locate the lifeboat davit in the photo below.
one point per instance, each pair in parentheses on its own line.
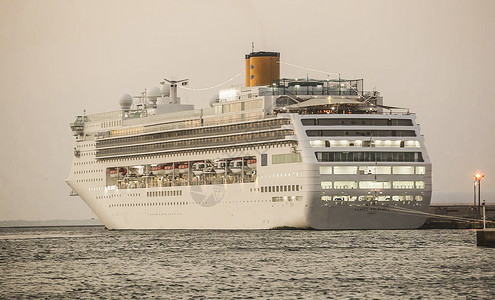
(198,167)
(220,166)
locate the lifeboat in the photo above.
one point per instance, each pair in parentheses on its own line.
(220,166)
(183,167)
(168,169)
(251,163)
(116,172)
(158,170)
(236,165)
(198,167)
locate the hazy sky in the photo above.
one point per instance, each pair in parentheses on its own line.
(60,57)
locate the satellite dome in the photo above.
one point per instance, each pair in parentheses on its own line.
(125,101)
(165,90)
(153,93)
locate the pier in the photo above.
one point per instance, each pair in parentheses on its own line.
(458,211)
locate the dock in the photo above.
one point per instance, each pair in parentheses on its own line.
(458,211)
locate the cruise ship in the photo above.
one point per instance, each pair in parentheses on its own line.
(272,153)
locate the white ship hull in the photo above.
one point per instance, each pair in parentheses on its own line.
(288,153)
(246,205)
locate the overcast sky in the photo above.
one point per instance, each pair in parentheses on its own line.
(60,57)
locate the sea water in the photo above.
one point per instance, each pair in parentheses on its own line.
(91,262)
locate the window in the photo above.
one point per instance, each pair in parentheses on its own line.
(345,185)
(357,121)
(402,197)
(403,184)
(326,185)
(264,160)
(325,170)
(286,158)
(420,170)
(375,185)
(403,170)
(345,170)
(420,184)
(369,133)
(369,156)
(317,143)
(375,170)
(412,144)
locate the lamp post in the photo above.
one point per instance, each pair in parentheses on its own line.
(477,182)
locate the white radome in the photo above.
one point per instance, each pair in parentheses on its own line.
(125,101)
(165,90)
(153,93)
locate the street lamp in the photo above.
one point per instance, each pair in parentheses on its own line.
(477,182)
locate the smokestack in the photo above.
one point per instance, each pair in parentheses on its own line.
(262,68)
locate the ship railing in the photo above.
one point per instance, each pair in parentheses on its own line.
(191,144)
(210,132)
(190,124)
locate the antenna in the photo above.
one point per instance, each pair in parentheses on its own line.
(173,88)
(252,46)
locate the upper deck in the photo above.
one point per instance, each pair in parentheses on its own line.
(151,113)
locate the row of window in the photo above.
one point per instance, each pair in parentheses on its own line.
(280,188)
(90,180)
(87,153)
(84,163)
(114,123)
(274,199)
(370,133)
(181,153)
(202,142)
(369,156)
(360,143)
(148,204)
(88,171)
(80,146)
(348,185)
(164,193)
(286,158)
(369,170)
(372,198)
(119,195)
(232,118)
(287,198)
(263,125)
(356,121)
(239,106)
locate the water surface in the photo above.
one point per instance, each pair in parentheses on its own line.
(89,262)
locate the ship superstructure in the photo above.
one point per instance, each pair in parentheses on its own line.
(274,153)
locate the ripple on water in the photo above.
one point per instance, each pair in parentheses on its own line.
(92,262)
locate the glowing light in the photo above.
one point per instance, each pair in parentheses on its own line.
(478,176)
